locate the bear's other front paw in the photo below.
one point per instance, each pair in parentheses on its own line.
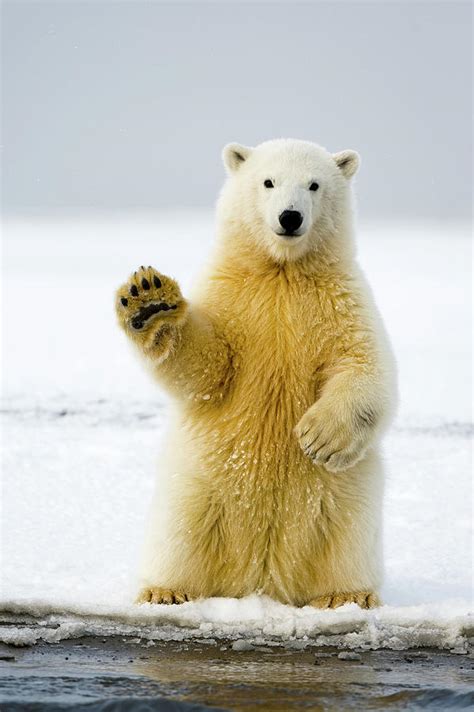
(157,594)
(333,441)
(149,299)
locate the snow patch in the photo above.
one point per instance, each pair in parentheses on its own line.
(82,423)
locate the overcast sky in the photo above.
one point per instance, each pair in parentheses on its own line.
(112,106)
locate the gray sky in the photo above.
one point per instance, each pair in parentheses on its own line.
(109,106)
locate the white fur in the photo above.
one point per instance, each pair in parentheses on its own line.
(292,166)
(249,234)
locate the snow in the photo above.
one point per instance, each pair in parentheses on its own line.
(82,424)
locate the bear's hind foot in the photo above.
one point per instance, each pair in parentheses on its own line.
(364,599)
(156,594)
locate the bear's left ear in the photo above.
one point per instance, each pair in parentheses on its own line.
(234,155)
(348,162)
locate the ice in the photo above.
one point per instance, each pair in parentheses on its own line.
(82,424)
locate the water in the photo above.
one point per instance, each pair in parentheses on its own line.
(113,674)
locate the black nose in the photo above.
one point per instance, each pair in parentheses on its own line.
(290,220)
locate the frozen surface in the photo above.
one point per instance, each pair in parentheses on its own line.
(82,425)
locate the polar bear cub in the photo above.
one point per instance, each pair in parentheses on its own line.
(283,384)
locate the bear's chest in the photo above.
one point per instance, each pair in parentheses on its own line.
(278,343)
(281,333)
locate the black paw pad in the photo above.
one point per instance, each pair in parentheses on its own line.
(124,301)
(134,290)
(150,310)
(156,281)
(145,283)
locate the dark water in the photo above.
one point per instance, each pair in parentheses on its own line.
(432,700)
(115,674)
(126,704)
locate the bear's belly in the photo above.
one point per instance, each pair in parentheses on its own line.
(251,511)
(256,508)
(264,524)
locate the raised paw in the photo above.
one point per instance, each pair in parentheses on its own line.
(335,442)
(364,599)
(149,298)
(156,594)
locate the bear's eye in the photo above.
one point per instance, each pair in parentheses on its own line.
(268,183)
(314,186)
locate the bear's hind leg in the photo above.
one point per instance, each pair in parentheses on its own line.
(156,594)
(364,599)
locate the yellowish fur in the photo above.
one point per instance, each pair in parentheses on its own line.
(282,381)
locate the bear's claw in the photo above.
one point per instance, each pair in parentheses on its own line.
(156,594)
(333,443)
(364,599)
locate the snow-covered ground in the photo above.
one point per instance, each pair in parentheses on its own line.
(82,424)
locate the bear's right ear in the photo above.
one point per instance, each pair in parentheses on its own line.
(234,155)
(348,162)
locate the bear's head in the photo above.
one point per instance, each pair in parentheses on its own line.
(287,195)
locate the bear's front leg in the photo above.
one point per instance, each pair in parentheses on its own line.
(149,308)
(337,430)
(181,343)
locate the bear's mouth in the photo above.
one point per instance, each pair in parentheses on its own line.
(289,235)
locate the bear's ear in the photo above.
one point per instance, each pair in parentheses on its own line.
(348,162)
(234,155)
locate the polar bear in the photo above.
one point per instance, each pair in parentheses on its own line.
(283,383)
